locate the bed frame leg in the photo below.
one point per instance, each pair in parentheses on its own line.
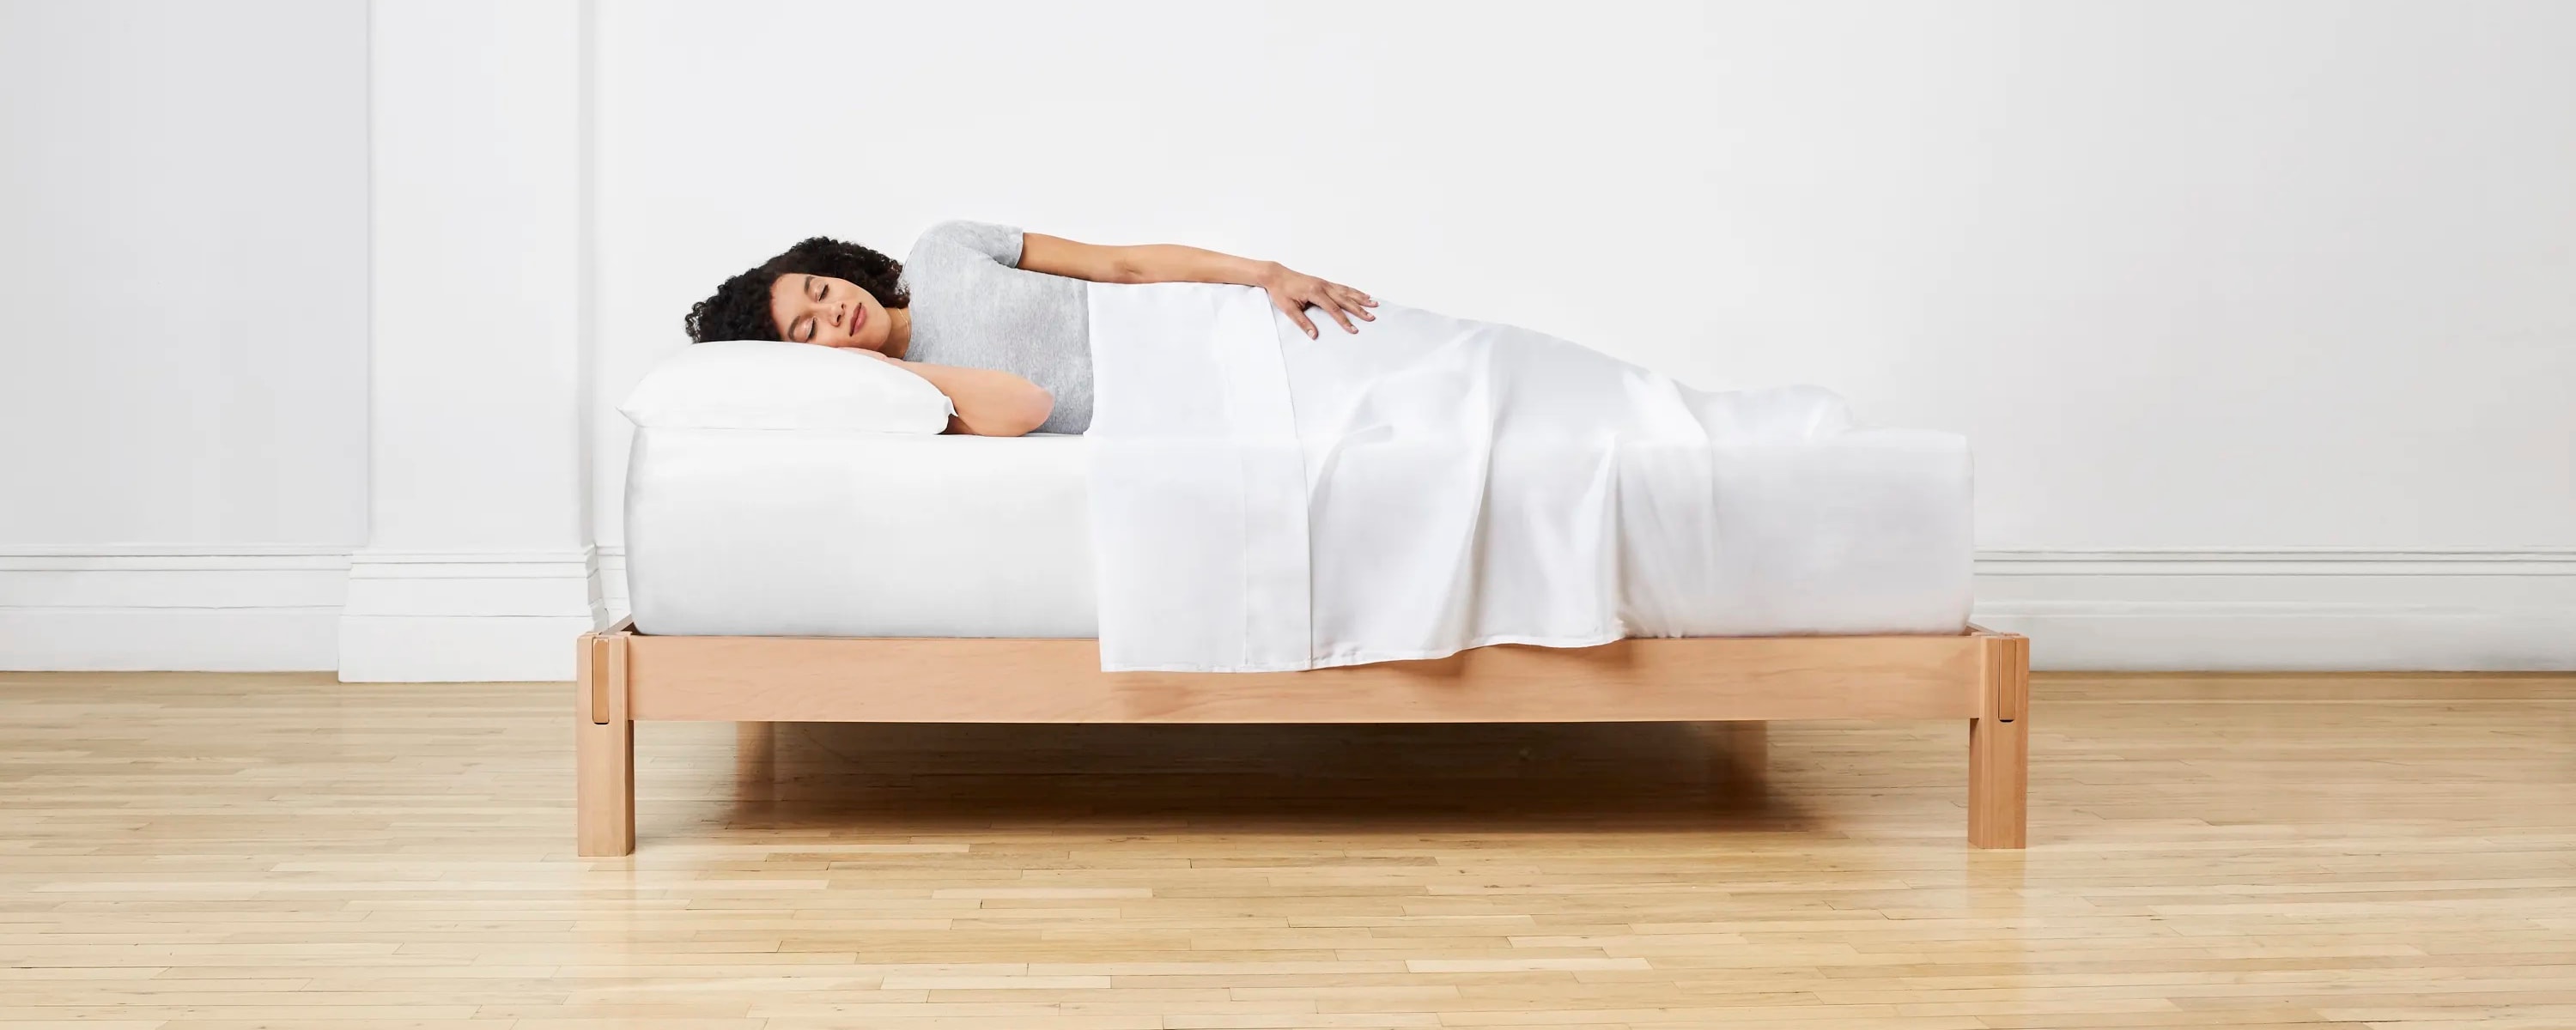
(603,750)
(1999,748)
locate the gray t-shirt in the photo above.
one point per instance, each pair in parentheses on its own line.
(973,306)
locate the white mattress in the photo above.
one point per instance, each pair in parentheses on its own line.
(829,533)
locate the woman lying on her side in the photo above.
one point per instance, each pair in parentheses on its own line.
(992,316)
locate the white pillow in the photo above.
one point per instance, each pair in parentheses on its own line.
(771,384)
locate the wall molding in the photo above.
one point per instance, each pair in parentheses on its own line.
(2312,561)
(217,607)
(613,593)
(2464,609)
(464,615)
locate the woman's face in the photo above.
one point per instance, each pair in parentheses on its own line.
(828,311)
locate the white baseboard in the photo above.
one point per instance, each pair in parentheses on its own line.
(448,617)
(458,649)
(400,616)
(2285,609)
(612,581)
(196,607)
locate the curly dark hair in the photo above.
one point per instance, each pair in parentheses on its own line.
(740,308)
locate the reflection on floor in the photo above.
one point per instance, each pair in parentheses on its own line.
(282,850)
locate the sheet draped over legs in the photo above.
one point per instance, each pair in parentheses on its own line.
(1261,501)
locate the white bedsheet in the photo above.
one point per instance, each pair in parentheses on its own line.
(1263,502)
(850,534)
(843,534)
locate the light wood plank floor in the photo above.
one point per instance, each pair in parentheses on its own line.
(283,851)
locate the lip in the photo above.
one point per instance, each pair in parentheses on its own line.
(858,317)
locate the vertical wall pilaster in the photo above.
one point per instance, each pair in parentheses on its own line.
(479,564)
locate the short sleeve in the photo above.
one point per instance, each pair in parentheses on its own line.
(998,242)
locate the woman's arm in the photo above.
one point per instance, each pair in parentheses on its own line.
(989,403)
(1291,291)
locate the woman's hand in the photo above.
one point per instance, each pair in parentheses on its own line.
(1291,291)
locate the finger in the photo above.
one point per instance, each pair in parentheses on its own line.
(1352,305)
(1335,309)
(1289,308)
(1355,302)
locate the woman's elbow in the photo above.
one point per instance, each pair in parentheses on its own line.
(1128,265)
(1035,405)
(1017,415)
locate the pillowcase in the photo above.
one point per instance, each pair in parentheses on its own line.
(772,384)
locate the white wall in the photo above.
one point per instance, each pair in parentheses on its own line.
(2259,315)
(183,228)
(2210,286)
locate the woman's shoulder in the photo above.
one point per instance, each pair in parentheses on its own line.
(961,237)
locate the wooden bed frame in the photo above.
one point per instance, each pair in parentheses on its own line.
(1980,676)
